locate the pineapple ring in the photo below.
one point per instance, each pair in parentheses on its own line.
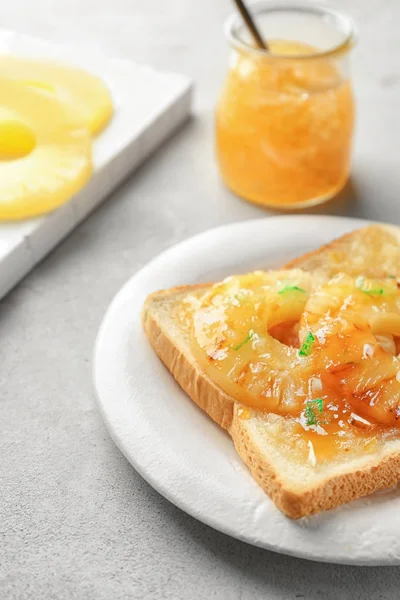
(42,173)
(340,364)
(85,92)
(372,302)
(230,328)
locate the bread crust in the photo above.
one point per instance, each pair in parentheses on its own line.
(332,492)
(319,258)
(381,473)
(201,389)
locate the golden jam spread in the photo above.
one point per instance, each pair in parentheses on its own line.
(284,126)
(321,351)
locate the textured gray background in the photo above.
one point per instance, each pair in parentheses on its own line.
(75,520)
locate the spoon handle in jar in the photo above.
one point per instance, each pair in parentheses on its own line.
(248,19)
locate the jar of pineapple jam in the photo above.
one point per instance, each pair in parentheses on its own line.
(285,118)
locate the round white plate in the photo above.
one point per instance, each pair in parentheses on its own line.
(179,450)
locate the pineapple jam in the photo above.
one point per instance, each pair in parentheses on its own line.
(284,126)
(322,353)
(48,114)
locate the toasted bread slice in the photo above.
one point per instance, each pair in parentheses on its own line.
(298,488)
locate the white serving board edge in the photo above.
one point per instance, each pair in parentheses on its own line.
(28,242)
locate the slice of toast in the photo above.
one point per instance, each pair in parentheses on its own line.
(298,488)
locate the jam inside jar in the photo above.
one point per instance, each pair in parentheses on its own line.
(285,118)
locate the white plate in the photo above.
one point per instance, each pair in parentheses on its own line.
(179,450)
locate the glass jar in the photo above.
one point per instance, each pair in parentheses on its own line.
(285,118)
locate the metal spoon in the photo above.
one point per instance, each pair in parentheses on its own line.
(248,19)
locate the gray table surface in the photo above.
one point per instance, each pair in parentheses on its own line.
(76,521)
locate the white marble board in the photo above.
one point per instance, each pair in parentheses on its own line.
(149,105)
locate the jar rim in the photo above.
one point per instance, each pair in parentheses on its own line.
(234,22)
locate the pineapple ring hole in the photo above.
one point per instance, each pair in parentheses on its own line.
(286,333)
(17,140)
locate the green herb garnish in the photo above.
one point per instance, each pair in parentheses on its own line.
(307,345)
(291,288)
(239,296)
(247,339)
(309,413)
(392,277)
(373,292)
